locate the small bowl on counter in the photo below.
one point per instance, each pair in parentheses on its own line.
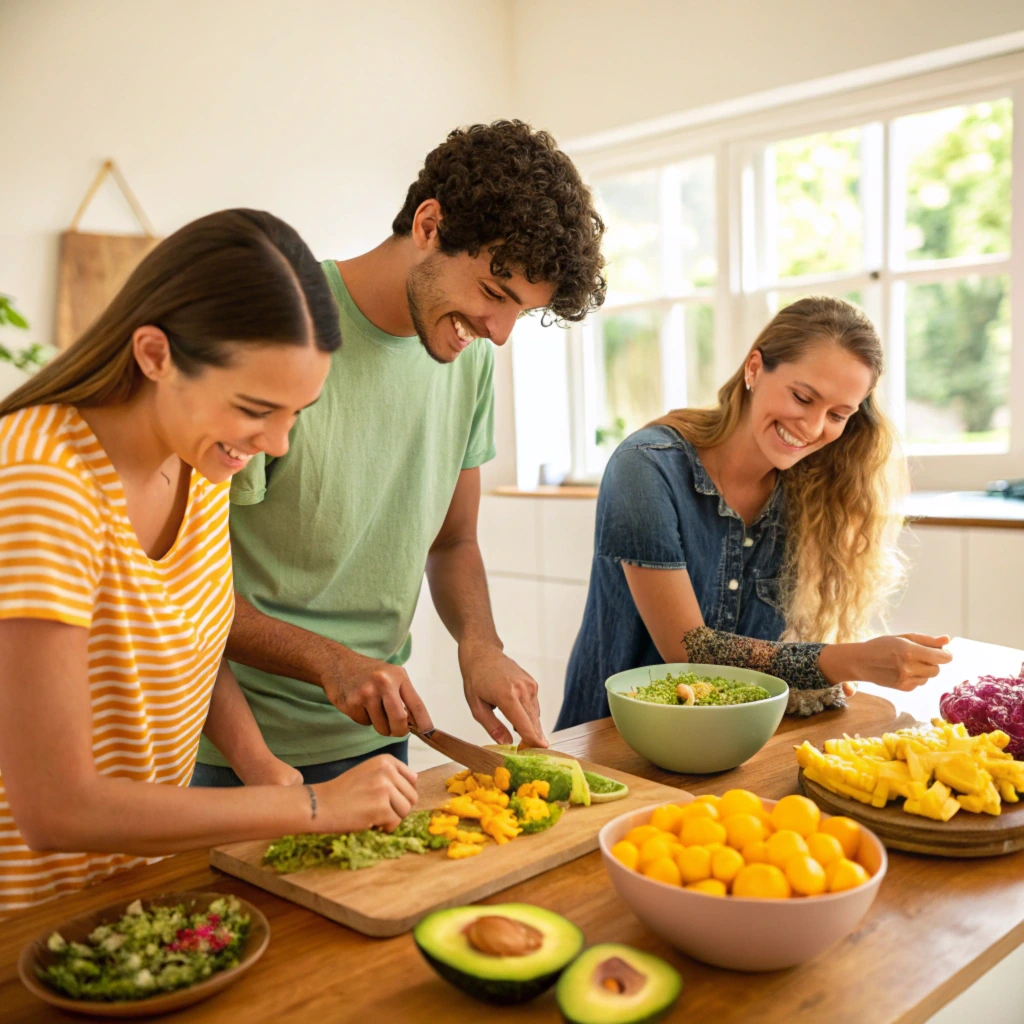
(738,933)
(696,740)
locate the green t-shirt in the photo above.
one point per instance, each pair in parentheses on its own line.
(334,536)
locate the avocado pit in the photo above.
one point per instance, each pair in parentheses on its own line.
(615,975)
(496,935)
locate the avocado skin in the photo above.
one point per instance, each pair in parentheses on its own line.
(501,993)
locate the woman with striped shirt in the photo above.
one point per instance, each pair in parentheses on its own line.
(115,566)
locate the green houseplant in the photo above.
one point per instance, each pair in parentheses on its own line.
(29,359)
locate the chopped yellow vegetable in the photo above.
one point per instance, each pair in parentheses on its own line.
(939,769)
(502,778)
(459,851)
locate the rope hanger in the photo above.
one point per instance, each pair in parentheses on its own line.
(111,168)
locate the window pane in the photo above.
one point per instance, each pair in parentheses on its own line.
(629,206)
(958,180)
(958,362)
(630,360)
(695,180)
(699,325)
(818,219)
(779,300)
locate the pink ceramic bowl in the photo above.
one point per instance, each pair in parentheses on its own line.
(738,933)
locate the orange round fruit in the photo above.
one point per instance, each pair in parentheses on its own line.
(667,818)
(708,798)
(761,882)
(694,863)
(639,835)
(845,874)
(656,848)
(756,852)
(797,814)
(785,844)
(664,869)
(726,864)
(710,886)
(805,875)
(846,830)
(698,809)
(824,848)
(741,829)
(740,801)
(626,853)
(701,831)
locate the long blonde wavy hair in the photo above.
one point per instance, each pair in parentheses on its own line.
(841,562)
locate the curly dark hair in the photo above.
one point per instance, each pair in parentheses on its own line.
(510,189)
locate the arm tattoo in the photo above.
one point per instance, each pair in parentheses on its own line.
(796,663)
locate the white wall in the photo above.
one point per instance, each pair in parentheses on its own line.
(320,111)
(585,66)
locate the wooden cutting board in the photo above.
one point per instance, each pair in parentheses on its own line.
(964,835)
(392,896)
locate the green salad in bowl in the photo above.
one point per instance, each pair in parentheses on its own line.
(696,718)
(689,689)
(147,952)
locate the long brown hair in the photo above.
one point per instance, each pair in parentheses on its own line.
(841,561)
(238,276)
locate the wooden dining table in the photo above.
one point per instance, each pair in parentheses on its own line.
(936,926)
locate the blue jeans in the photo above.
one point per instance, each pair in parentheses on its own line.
(213,775)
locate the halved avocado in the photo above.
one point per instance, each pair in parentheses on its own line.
(603,790)
(506,953)
(611,984)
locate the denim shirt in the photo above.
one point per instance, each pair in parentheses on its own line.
(657,508)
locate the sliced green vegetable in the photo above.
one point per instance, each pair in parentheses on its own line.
(602,789)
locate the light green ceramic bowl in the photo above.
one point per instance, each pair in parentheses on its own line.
(696,740)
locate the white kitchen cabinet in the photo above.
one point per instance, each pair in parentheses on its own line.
(562,607)
(509,534)
(516,605)
(994,591)
(567,538)
(934,600)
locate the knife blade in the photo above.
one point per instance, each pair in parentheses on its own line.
(468,754)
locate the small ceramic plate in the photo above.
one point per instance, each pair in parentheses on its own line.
(77,929)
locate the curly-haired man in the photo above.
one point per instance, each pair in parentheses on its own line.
(382,479)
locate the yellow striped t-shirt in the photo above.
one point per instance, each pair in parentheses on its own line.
(157,627)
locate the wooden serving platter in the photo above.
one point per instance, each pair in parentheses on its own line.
(392,896)
(964,835)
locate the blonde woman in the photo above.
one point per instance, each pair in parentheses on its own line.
(759,533)
(115,566)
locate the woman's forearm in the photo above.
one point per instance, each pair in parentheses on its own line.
(796,663)
(110,815)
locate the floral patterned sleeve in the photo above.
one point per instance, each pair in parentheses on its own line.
(796,663)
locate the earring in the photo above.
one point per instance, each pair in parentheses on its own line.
(748,385)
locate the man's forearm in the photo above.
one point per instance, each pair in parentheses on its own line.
(458,587)
(231,725)
(271,645)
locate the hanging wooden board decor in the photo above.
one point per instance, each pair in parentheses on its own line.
(93,267)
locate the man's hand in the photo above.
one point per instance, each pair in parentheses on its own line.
(373,692)
(493,680)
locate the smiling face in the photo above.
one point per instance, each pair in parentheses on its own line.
(217,420)
(454,300)
(799,407)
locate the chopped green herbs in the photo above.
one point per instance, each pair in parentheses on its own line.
(352,850)
(707,692)
(148,952)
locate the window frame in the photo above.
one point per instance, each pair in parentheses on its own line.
(741,300)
